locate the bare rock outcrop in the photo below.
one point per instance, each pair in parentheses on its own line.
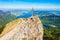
(23,29)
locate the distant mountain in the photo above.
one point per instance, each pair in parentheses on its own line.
(5,17)
(51,20)
(36,12)
(19,12)
(47,13)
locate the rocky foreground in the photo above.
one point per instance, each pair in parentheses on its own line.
(23,29)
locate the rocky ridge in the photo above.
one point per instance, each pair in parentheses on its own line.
(23,29)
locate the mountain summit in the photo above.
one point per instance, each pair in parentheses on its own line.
(23,29)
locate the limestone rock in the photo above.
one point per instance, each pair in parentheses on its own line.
(23,29)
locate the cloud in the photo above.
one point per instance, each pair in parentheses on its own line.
(29,6)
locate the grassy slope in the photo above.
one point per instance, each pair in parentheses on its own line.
(51,33)
(5,20)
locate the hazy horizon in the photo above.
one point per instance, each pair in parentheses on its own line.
(28,4)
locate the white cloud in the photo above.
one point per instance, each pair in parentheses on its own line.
(29,6)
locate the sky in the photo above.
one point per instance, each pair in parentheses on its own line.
(28,4)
